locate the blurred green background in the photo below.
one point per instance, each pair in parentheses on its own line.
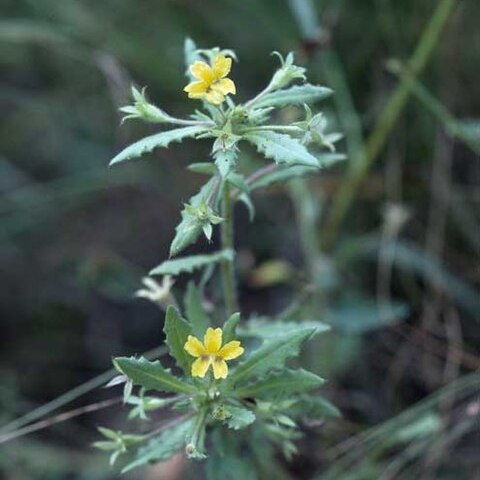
(76,237)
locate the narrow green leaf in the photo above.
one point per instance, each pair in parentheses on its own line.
(162,139)
(189,54)
(205,168)
(238,180)
(247,201)
(195,312)
(261,327)
(408,256)
(281,148)
(163,446)
(314,407)
(191,263)
(177,330)
(282,174)
(230,328)
(271,355)
(360,316)
(296,95)
(328,159)
(108,433)
(151,375)
(282,384)
(105,446)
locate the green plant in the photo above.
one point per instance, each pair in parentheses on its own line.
(261,395)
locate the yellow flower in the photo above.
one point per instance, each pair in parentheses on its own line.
(211,352)
(211,83)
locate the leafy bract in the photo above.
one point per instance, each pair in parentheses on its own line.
(225,159)
(191,263)
(281,148)
(162,447)
(195,311)
(239,418)
(296,95)
(282,384)
(188,230)
(177,331)
(162,139)
(151,375)
(272,354)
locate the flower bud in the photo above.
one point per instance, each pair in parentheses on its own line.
(287,73)
(143,109)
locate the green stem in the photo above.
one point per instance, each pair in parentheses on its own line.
(254,100)
(181,121)
(280,128)
(385,123)
(228,274)
(194,448)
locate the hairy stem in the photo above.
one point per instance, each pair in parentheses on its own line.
(228,274)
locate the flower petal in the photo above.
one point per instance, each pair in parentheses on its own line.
(214,97)
(200,366)
(213,340)
(224,86)
(196,88)
(220,368)
(221,66)
(231,350)
(202,71)
(194,347)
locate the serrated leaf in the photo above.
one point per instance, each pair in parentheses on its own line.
(282,384)
(261,327)
(189,229)
(240,418)
(230,328)
(296,95)
(195,312)
(152,375)
(162,139)
(271,355)
(162,447)
(177,330)
(191,263)
(281,148)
